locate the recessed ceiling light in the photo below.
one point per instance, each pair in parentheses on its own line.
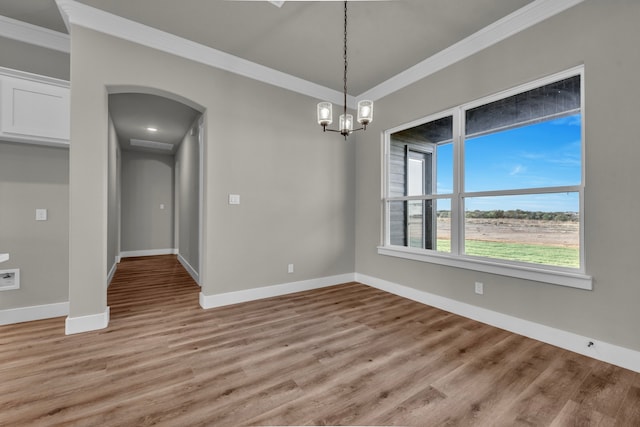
(152,129)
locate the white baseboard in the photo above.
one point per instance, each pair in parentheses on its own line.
(192,272)
(92,322)
(229,298)
(148,252)
(112,272)
(610,353)
(38,312)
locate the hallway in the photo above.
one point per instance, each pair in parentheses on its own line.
(144,285)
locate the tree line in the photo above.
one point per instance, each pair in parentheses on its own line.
(517,214)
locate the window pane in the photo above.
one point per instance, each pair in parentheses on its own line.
(546,154)
(543,103)
(536,228)
(417,224)
(416,177)
(398,223)
(444,172)
(423,224)
(421,159)
(443,225)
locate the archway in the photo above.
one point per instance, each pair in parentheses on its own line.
(155,177)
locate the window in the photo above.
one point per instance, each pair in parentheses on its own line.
(495,185)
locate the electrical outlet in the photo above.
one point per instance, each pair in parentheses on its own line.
(9,279)
(479,288)
(290,268)
(41,214)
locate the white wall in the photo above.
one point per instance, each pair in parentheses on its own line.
(603,37)
(33,59)
(296,183)
(113,231)
(34,177)
(147,201)
(187,189)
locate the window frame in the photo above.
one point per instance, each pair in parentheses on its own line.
(565,276)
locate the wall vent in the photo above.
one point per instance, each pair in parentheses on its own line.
(151,144)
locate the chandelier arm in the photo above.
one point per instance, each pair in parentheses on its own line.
(326,129)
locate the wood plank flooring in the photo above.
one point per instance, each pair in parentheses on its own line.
(343,355)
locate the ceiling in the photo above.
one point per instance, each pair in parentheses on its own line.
(134,113)
(303,38)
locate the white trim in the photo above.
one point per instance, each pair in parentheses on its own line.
(116,26)
(201,166)
(502,29)
(33,34)
(112,271)
(606,352)
(36,312)
(229,298)
(92,322)
(148,252)
(555,277)
(192,271)
(24,75)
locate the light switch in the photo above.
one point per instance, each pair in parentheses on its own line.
(161,206)
(41,214)
(234,199)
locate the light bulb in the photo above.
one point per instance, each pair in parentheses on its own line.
(365,112)
(325,113)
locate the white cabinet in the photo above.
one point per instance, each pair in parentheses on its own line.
(34,109)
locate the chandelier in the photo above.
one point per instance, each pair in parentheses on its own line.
(365,108)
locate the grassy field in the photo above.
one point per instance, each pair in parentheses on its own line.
(537,254)
(534,241)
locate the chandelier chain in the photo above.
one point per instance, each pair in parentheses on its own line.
(345,58)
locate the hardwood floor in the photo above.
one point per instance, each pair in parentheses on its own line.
(343,355)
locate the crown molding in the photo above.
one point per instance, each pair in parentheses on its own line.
(98,20)
(24,75)
(33,34)
(511,24)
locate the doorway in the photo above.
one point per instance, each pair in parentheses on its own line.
(155,178)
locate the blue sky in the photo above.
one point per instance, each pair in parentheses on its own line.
(546,154)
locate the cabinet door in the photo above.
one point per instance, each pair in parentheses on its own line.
(34,112)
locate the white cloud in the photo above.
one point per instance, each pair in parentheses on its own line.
(517,170)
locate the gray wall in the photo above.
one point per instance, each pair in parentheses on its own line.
(187,188)
(603,36)
(296,183)
(113,198)
(35,177)
(34,59)
(147,183)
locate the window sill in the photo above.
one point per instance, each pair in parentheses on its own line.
(539,274)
